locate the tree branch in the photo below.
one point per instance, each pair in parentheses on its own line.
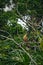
(21,48)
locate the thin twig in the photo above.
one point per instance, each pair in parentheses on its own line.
(21,48)
(5,32)
(28,24)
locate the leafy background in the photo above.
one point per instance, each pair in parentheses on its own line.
(13,49)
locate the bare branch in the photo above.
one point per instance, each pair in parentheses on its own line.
(5,32)
(21,48)
(28,24)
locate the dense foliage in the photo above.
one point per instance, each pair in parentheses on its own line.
(18,45)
